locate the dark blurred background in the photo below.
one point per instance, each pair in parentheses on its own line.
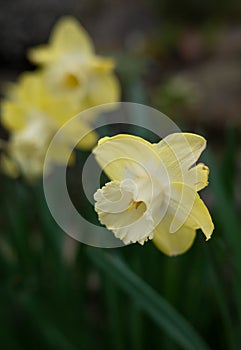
(187,53)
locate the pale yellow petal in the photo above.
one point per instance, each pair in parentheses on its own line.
(179,151)
(58,155)
(67,36)
(30,89)
(186,147)
(42,54)
(79,129)
(103,88)
(188,208)
(102,65)
(173,243)
(197,176)
(126,156)
(89,141)
(13,116)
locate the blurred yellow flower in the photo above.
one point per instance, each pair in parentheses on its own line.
(72,67)
(153,190)
(33,116)
(72,79)
(30,99)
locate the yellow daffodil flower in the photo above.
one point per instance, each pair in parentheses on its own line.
(72,67)
(33,116)
(153,190)
(30,99)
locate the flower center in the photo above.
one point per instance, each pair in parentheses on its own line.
(135,205)
(70,81)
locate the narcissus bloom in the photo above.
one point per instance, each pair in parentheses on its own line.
(153,190)
(72,67)
(33,116)
(72,79)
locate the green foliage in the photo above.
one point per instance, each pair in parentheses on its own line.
(132,295)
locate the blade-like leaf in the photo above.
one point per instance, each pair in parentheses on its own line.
(161,312)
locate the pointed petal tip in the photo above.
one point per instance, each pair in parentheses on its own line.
(208,237)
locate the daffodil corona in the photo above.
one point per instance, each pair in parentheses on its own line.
(152,194)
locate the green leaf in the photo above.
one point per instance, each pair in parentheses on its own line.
(228,169)
(160,311)
(48,330)
(227,215)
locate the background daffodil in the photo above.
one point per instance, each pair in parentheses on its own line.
(72,67)
(33,115)
(72,79)
(153,190)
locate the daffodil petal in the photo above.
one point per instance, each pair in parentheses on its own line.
(186,147)
(89,141)
(103,88)
(41,54)
(29,84)
(179,151)
(13,116)
(102,65)
(67,36)
(197,176)
(173,243)
(188,208)
(126,156)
